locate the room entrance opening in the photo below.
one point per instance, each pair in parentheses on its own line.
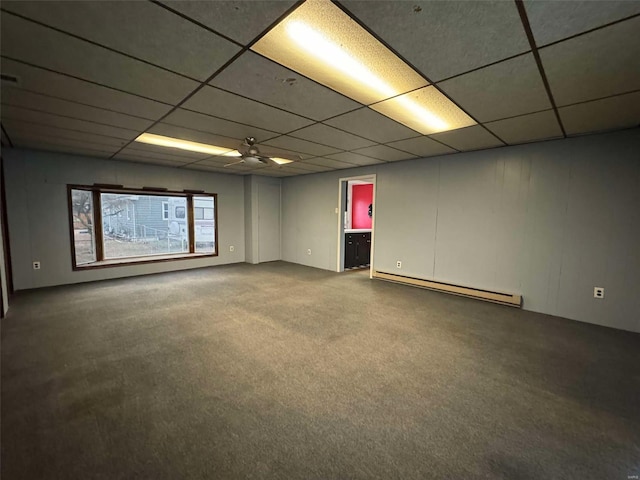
(356,220)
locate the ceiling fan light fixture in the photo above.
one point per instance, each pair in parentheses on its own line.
(162,141)
(321,42)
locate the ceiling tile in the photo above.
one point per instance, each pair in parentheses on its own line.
(229,106)
(68,149)
(302,146)
(552,20)
(507,89)
(278,151)
(42,118)
(422,147)
(169,40)
(21,98)
(176,152)
(330,136)
(206,123)
(205,168)
(470,138)
(329,163)
(26,41)
(611,113)
(310,167)
(383,152)
(24,129)
(276,172)
(68,88)
(216,162)
(594,65)
(168,156)
(63,144)
(354,158)
(299,168)
(266,81)
(194,136)
(527,128)
(131,157)
(442,39)
(242,21)
(372,125)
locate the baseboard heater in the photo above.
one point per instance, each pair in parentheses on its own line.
(486,295)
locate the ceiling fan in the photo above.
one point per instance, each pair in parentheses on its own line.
(252,155)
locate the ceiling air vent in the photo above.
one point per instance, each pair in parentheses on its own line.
(9,80)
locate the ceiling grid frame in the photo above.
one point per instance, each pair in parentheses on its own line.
(534,49)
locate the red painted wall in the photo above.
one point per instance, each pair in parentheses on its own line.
(361,198)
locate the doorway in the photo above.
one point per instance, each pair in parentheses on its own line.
(356,223)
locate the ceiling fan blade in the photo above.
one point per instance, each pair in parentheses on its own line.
(235,163)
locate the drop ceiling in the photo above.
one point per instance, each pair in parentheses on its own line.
(90,77)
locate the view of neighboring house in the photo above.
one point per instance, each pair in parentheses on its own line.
(135,216)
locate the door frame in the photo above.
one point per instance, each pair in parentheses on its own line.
(342,182)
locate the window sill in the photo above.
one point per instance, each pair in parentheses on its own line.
(123,262)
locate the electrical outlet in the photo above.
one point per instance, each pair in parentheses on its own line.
(398,264)
(598,292)
(309,251)
(36,265)
(232,248)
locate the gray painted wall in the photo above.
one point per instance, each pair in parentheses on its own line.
(38,216)
(549,220)
(249,220)
(269,224)
(262,218)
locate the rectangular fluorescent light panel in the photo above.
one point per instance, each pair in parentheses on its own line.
(426,110)
(162,141)
(320,41)
(281,161)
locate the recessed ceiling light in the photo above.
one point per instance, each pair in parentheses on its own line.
(281,161)
(163,141)
(321,42)
(416,110)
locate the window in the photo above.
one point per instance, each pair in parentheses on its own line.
(204,223)
(115,226)
(82,226)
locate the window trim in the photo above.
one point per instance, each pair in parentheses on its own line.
(101,262)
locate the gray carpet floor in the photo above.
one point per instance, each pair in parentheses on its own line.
(279,371)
